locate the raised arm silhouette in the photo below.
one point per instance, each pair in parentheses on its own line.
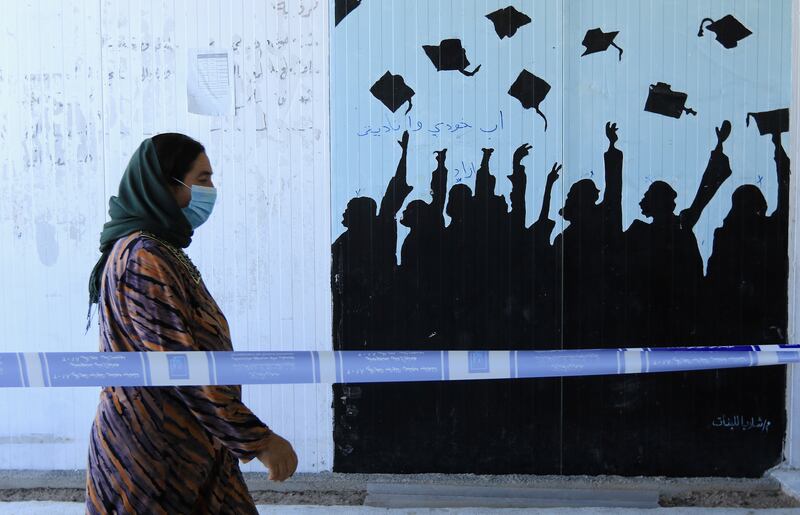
(664,266)
(586,254)
(519,185)
(364,266)
(423,260)
(490,248)
(746,282)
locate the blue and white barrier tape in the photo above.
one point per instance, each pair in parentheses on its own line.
(70,369)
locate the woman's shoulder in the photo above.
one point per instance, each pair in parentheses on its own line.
(143,251)
(136,246)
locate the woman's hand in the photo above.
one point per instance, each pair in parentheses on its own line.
(279,457)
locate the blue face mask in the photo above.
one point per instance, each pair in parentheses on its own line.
(201,205)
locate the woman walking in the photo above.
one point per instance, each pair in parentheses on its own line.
(167,450)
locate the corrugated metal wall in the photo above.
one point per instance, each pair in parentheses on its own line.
(81,84)
(660,43)
(792,446)
(465,264)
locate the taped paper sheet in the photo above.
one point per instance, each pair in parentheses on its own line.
(209,85)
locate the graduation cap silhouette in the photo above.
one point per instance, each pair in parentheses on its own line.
(530,90)
(507,21)
(728,29)
(662,100)
(344,7)
(771,122)
(393,91)
(596,40)
(449,55)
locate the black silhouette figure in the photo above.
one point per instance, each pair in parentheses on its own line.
(423,260)
(588,261)
(728,29)
(664,266)
(353,274)
(662,100)
(745,301)
(398,189)
(449,55)
(596,40)
(531,307)
(507,21)
(485,184)
(544,315)
(519,289)
(364,263)
(587,252)
(342,8)
(486,258)
(716,173)
(746,282)
(486,281)
(393,91)
(460,268)
(519,185)
(543,226)
(663,273)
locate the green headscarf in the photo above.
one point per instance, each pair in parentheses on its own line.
(144,203)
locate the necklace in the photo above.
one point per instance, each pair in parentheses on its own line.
(179,254)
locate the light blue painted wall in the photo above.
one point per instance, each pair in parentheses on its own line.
(660,41)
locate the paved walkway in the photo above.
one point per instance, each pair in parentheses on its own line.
(64,508)
(789,480)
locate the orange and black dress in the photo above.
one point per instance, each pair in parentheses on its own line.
(166,450)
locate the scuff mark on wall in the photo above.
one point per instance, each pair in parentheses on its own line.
(46,243)
(34,438)
(77,228)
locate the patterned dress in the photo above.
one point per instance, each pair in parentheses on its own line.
(166,450)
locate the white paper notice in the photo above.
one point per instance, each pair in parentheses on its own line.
(209,88)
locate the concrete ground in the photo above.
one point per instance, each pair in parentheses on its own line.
(60,492)
(60,508)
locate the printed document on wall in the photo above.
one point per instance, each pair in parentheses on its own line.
(209,85)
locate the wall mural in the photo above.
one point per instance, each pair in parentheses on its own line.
(543,193)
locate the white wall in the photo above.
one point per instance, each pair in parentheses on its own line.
(81,84)
(792,447)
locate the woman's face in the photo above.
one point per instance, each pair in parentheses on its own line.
(199,174)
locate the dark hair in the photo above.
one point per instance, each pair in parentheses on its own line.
(176,153)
